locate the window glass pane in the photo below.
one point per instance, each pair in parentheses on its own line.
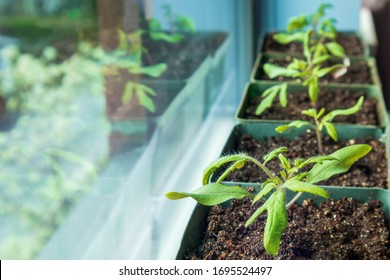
(103,107)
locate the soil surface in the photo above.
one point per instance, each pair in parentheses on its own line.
(369,171)
(339,99)
(352,45)
(358,73)
(336,229)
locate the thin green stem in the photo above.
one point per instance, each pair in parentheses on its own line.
(263,167)
(319,139)
(292,201)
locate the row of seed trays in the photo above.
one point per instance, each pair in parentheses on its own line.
(310,180)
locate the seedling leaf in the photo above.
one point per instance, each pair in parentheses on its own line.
(299,186)
(285,38)
(344,112)
(274,71)
(297,23)
(212,194)
(212,167)
(345,158)
(332,69)
(283,95)
(162,36)
(297,124)
(266,188)
(331,129)
(274,154)
(335,49)
(276,220)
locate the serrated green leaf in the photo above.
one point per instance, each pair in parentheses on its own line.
(236,165)
(264,191)
(212,167)
(331,129)
(346,157)
(276,220)
(128,93)
(212,194)
(284,161)
(297,124)
(335,49)
(274,71)
(285,38)
(274,154)
(344,112)
(299,186)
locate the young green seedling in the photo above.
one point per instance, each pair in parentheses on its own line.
(308,71)
(274,188)
(323,31)
(322,121)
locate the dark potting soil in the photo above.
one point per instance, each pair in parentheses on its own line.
(369,171)
(358,72)
(339,99)
(352,45)
(336,229)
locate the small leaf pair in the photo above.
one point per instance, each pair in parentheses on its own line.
(321,121)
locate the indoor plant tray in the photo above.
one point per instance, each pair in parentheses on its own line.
(253,90)
(197,226)
(267,44)
(260,138)
(369,78)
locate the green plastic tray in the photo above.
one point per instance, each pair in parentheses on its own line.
(195,231)
(256,89)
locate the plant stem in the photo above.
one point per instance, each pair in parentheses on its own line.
(292,201)
(263,167)
(319,140)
